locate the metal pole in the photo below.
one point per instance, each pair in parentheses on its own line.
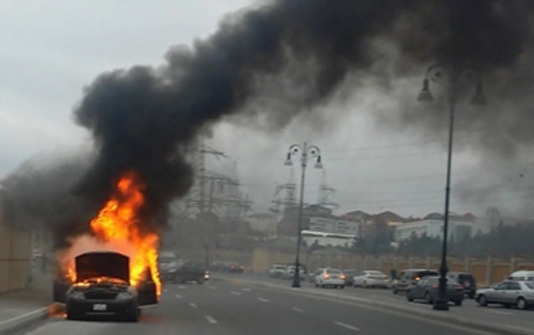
(304,159)
(442,302)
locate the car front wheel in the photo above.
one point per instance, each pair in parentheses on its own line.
(458,302)
(482,301)
(409,296)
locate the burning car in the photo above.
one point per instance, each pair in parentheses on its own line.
(102,287)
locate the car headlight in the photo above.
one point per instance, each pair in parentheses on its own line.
(124,296)
(77,295)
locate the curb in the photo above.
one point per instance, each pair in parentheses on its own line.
(25,320)
(367,303)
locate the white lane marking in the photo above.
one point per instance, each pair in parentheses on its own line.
(212,287)
(298,310)
(164,290)
(193,305)
(263,300)
(347,326)
(235,293)
(211,319)
(246,289)
(499,312)
(40,310)
(179,296)
(182,287)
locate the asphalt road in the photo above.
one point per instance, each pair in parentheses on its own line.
(229,307)
(523,320)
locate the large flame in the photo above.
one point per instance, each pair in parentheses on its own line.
(116,227)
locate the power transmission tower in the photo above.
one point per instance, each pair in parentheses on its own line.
(285,195)
(326,193)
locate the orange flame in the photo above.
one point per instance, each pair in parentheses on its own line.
(118,221)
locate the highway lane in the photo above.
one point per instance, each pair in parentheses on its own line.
(470,309)
(223,307)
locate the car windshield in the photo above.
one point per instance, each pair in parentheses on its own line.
(530,285)
(333,271)
(375,273)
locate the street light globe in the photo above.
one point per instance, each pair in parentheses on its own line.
(425,95)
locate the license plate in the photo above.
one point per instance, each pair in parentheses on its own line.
(334,277)
(99,307)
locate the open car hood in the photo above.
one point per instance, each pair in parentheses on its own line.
(102,264)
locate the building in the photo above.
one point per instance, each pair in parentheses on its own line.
(263,223)
(460,227)
(334,226)
(373,223)
(289,222)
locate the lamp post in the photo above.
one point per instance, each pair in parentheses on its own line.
(453,78)
(306,152)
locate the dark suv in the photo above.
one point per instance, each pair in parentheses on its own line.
(190,271)
(467,280)
(410,277)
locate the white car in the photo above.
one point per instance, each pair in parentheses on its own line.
(330,277)
(371,278)
(277,271)
(290,272)
(508,293)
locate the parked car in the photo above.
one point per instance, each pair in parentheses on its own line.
(465,279)
(410,276)
(522,276)
(371,278)
(312,275)
(277,270)
(508,293)
(289,273)
(427,289)
(330,277)
(349,276)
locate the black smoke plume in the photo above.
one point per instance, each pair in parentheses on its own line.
(143,117)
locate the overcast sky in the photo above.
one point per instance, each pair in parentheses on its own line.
(51,49)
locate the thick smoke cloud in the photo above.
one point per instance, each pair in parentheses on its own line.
(143,117)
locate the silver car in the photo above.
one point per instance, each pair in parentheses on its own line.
(508,293)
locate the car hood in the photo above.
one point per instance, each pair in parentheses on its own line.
(102,264)
(485,290)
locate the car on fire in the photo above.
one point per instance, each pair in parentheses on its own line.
(102,288)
